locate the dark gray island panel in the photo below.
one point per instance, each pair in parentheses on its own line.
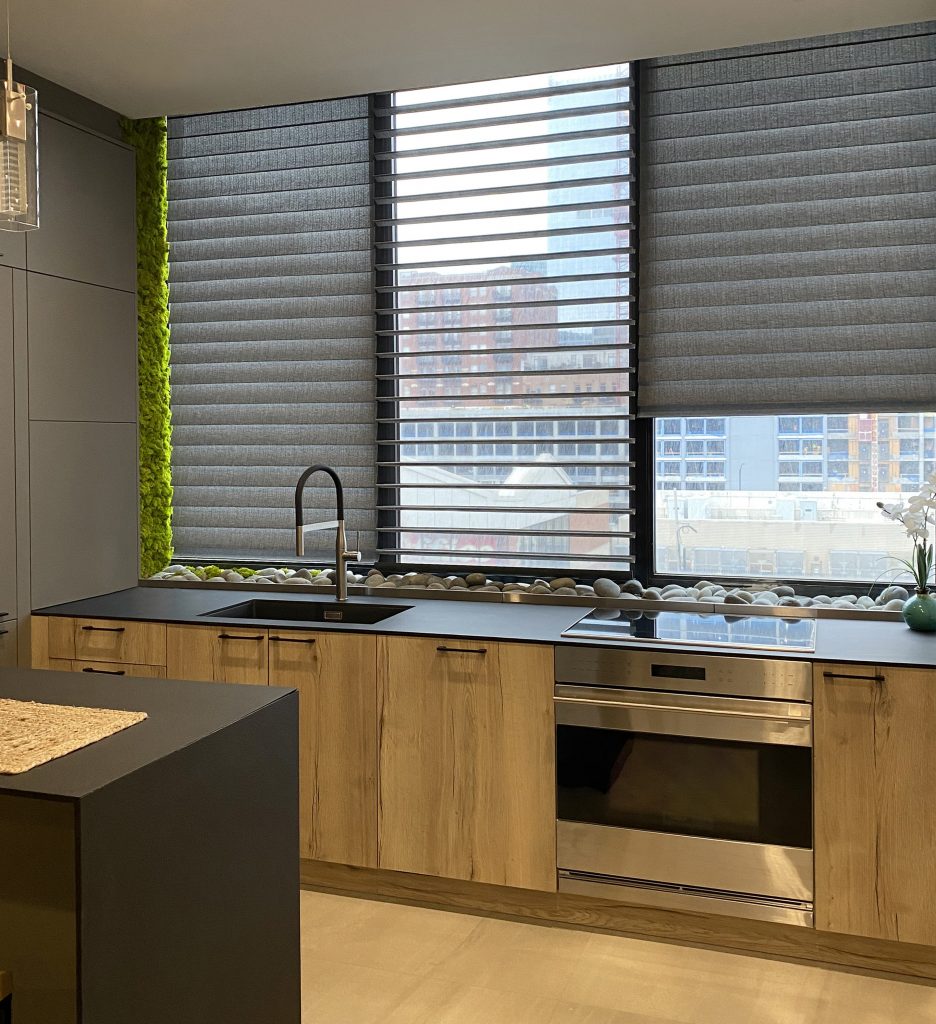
(182,857)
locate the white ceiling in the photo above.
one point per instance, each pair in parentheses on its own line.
(147,57)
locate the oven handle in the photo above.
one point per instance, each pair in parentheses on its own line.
(629,705)
(720,721)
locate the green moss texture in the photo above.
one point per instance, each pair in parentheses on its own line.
(148,137)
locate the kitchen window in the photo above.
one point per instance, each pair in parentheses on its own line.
(498,219)
(817,513)
(516,193)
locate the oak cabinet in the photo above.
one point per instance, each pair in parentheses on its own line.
(466,760)
(217,654)
(875,787)
(126,642)
(335,674)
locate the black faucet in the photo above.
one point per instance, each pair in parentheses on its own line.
(342,554)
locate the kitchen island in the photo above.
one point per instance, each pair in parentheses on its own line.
(152,876)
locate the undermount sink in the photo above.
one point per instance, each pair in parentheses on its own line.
(309,611)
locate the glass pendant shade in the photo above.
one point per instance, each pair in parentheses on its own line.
(19,156)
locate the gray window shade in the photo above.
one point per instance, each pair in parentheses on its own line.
(788,226)
(271,310)
(504,343)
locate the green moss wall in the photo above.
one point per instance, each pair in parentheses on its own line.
(148,137)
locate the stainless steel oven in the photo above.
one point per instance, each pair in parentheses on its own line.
(685,781)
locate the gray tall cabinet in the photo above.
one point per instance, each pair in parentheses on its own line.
(68,394)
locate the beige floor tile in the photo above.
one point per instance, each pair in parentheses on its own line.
(391,937)
(336,993)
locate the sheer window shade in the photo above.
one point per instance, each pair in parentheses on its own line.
(272,304)
(505,318)
(788,226)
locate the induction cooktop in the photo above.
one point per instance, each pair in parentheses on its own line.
(697,629)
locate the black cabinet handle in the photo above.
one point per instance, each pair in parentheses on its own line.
(844,675)
(230,636)
(104,629)
(106,672)
(3,632)
(291,640)
(462,650)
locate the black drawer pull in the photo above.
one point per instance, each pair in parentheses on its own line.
(844,675)
(3,632)
(104,629)
(462,650)
(291,640)
(230,636)
(106,672)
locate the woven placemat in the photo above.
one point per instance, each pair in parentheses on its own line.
(32,733)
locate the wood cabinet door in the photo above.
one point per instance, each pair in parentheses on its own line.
(336,676)
(217,654)
(875,809)
(467,760)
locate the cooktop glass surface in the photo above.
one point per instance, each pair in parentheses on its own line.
(760,632)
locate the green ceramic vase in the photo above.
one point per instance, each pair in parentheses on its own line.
(919,612)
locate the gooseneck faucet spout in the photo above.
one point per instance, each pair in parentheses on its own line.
(342,554)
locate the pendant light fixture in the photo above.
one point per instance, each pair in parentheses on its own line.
(19,151)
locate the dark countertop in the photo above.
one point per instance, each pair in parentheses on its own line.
(180,714)
(837,640)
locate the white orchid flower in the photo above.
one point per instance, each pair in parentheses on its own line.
(894,511)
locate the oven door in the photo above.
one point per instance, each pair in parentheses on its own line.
(686,797)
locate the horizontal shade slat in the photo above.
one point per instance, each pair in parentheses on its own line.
(598,155)
(312,328)
(287,115)
(780,265)
(547,488)
(555,139)
(290,287)
(485,510)
(261,225)
(250,182)
(809,58)
(578,254)
(550,92)
(312,148)
(183,211)
(417,555)
(853,82)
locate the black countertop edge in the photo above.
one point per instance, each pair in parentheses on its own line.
(179,713)
(848,641)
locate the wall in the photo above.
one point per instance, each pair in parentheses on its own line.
(68,392)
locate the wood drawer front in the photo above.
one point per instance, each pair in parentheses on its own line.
(217,654)
(109,668)
(111,640)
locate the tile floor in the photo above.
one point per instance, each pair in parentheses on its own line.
(367,962)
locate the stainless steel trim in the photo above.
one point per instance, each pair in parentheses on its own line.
(758,869)
(672,897)
(695,673)
(681,714)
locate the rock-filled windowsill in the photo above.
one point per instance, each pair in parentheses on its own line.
(766,595)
